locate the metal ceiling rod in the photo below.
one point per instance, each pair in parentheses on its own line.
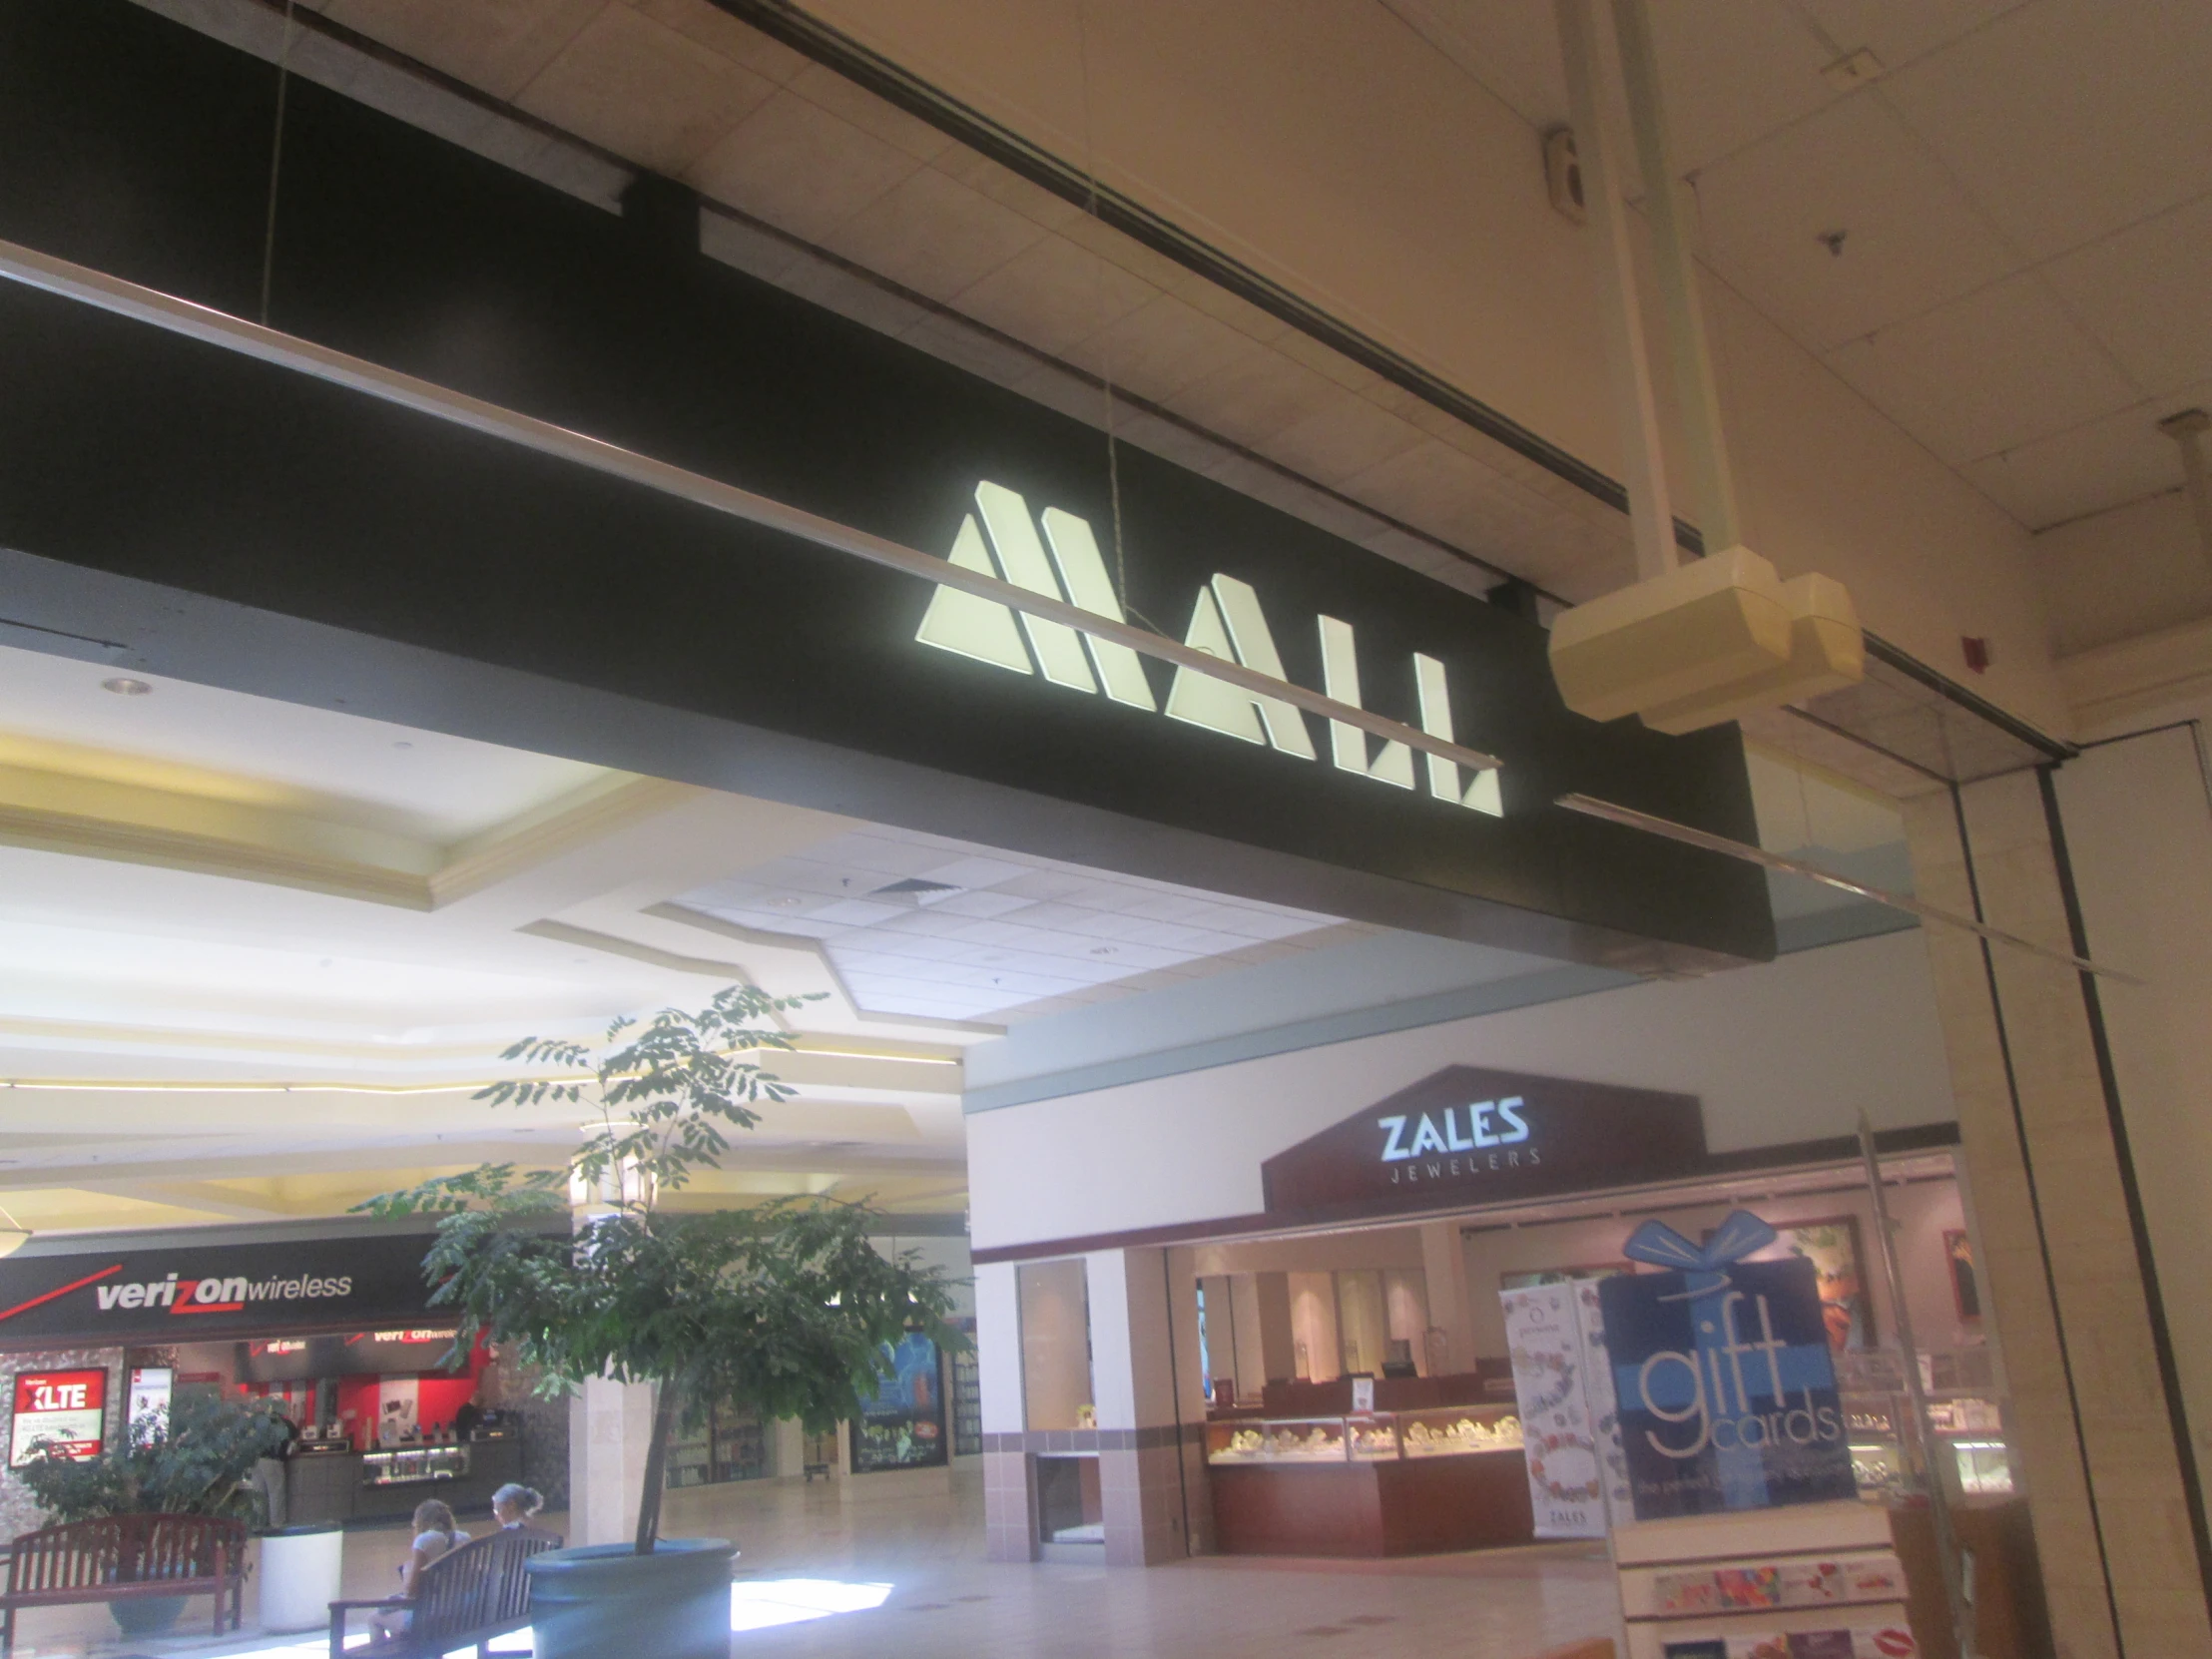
(1633,819)
(97,289)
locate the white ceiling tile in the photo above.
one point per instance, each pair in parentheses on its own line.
(1055,294)
(640,89)
(801,168)
(853,913)
(1161,348)
(934,234)
(1898,31)
(981,904)
(1912,240)
(1257,394)
(845,97)
(1991,371)
(1732,74)
(1043,885)
(2104,463)
(974,872)
(1446,492)
(2068,119)
(1345,437)
(2143,293)
(1511,47)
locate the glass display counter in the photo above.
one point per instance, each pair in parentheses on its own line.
(1278,1441)
(1372,1484)
(1376,1438)
(412,1465)
(1455,1430)
(1968,1429)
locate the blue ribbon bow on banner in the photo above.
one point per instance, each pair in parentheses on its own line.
(1737,1237)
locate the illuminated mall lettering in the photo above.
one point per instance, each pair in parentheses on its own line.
(1700,1382)
(1001,538)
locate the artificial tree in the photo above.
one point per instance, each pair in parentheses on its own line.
(784,1305)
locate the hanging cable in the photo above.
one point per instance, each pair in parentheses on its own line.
(276,165)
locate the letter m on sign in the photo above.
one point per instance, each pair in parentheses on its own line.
(1001,539)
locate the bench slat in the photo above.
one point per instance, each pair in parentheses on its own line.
(121,1557)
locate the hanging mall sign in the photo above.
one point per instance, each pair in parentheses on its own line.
(213,1291)
(1468,1135)
(228,520)
(1227,621)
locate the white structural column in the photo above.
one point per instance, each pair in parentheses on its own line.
(2087,1346)
(610,1429)
(1010,1483)
(1443,1259)
(1151,1405)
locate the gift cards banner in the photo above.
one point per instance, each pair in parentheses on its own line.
(1727,1392)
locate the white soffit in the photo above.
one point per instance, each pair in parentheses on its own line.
(56,716)
(923,924)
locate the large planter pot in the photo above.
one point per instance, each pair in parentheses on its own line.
(601,1599)
(147,1615)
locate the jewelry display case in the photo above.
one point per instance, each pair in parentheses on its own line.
(1371,1437)
(1456,1431)
(1279,1440)
(1372,1484)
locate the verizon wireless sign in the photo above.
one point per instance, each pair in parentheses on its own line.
(190,1294)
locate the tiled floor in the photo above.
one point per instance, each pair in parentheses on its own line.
(818,1575)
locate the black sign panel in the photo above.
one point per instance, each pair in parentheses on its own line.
(1468,1136)
(209,1293)
(403,1350)
(398,566)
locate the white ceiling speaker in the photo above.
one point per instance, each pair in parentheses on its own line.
(1699,629)
(1828,652)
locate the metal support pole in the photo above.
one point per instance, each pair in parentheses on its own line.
(1694,386)
(1939,1503)
(1628,366)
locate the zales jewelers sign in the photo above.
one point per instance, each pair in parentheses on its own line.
(1470,1135)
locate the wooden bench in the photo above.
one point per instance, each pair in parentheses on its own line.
(126,1557)
(466,1598)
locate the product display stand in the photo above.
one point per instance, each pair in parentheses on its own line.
(1812,1581)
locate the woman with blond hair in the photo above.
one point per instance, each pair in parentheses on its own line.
(435,1536)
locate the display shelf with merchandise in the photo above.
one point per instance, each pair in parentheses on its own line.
(1374,1440)
(1278,1441)
(1459,1430)
(1372,1437)
(411,1466)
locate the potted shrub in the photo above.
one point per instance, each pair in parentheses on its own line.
(199,1464)
(784,1305)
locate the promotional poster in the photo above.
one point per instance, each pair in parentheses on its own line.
(1727,1388)
(902,1425)
(1550,1387)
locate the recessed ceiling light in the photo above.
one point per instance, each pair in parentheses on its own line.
(1102,950)
(789,901)
(402,743)
(123,685)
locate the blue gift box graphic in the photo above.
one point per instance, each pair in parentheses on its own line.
(1728,1396)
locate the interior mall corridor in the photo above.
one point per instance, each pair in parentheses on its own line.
(822,1576)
